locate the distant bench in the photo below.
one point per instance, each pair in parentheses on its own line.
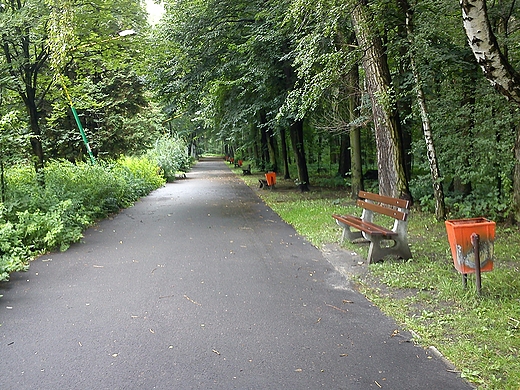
(378,235)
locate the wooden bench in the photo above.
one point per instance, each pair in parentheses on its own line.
(378,236)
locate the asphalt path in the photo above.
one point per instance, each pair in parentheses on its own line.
(200,285)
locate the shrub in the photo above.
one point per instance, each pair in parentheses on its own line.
(37,219)
(171,155)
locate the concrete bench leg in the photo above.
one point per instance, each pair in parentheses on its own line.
(376,252)
(347,233)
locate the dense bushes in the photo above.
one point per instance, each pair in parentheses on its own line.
(36,219)
(170,154)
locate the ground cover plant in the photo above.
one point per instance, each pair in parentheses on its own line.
(35,219)
(479,334)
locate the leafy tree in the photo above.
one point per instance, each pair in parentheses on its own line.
(495,64)
(25,56)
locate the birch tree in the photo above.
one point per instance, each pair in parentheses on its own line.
(496,68)
(438,191)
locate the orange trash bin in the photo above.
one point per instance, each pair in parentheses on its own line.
(459,235)
(270,178)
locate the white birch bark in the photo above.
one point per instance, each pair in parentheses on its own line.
(485,47)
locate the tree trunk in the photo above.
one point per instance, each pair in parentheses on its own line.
(345,163)
(392,177)
(484,45)
(516,178)
(285,158)
(36,142)
(264,147)
(273,149)
(438,191)
(299,152)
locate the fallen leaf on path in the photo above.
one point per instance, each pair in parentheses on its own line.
(336,308)
(192,301)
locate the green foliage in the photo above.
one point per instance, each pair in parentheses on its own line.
(37,219)
(117,116)
(171,156)
(140,174)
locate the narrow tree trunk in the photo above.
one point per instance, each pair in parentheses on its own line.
(285,157)
(392,177)
(273,149)
(264,147)
(438,191)
(35,139)
(516,178)
(345,164)
(299,152)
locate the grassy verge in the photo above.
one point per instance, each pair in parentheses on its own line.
(479,334)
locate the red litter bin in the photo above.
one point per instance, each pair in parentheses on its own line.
(462,250)
(271,179)
(472,244)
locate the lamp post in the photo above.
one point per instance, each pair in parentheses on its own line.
(120,34)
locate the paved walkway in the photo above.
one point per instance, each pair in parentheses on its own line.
(200,286)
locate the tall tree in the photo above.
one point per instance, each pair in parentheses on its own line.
(25,54)
(438,190)
(392,177)
(97,47)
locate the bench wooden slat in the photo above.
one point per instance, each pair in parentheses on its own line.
(402,203)
(382,210)
(367,227)
(378,235)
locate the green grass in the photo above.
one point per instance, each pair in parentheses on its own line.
(480,335)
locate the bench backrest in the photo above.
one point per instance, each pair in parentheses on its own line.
(381,201)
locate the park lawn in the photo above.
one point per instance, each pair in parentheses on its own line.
(480,335)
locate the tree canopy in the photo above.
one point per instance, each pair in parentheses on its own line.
(298,87)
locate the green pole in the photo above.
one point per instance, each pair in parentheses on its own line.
(78,122)
(83,135)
